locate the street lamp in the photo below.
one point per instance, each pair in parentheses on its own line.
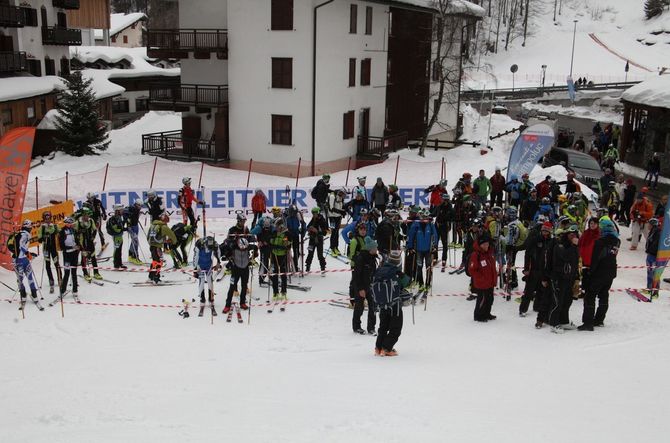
(572,57)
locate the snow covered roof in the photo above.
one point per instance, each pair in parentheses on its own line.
(455,6)
(15,88)
(119,22)
(140,66)
(653,92)
(49,119)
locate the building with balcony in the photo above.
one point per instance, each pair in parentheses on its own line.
(126,31)
(279,80)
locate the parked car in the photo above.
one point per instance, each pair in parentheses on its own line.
(499,108)
(586,168)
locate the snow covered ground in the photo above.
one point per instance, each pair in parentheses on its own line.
(117,368)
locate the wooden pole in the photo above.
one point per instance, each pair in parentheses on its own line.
(66,185)
(297,175)
(251,160)
(104,181)
(397,165)
(37,194)
(202,167)
(151,185)
(346,182)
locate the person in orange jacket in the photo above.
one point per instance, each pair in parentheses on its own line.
(258,206)
(641,211)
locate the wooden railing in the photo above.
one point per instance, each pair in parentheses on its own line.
(378,146)
(172,144)
(188,40)
(11,16)
(197,95)
(66,4)
(61,36)
(12,61)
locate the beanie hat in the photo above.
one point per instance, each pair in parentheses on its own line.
(607,227)
(370,244)
(547,226)
(395,258)
(485,238)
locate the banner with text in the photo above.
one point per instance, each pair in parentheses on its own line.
(531,145)
(228,202)
(58,214)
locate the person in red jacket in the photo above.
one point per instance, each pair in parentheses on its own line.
(497,187)
(544,188)
(186,199)
(482,270)
(258,206)
(586,243)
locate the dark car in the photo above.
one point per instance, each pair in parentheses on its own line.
(586,168)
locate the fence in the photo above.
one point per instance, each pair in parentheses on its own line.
(160,173)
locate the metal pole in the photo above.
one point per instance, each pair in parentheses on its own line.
(202,167)
(297,175)
(346,182)
(66,184)
(572,57)
(397,164)
(249,172)
(151,185)
(37,194)
(104,180)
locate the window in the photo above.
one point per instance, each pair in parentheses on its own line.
(141,104)
(119,106)
(352,72)
(281,15)
(282,73)
(282,128)
(34,67)
(348,125)
(125,39)
(365,71)
(30,15)
(49,66)
(30,111)
(43,17)
(64,67)
(113,39)
(7,116)
(368,20)
(353,18)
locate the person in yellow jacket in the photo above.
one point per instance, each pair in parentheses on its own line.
(159,234)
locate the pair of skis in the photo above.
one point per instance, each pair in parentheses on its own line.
(160,283)
(281,303)
(637,295)
(289,286)
(235,307)
(65,294)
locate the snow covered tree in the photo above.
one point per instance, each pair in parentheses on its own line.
(80,129)
(652,8)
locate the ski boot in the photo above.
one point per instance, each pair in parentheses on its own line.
(88,278)
(226,310)
(244,306)
(97,276)
(51,288)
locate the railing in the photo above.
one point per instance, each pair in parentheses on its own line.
(197,95)
(537,91)
(435,144)
(378,146)
(172,144)
(61,36)
(190,40)
(11,16)
(66,4)
(12,61)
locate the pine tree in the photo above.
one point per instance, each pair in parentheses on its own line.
(80,130)
(652,8)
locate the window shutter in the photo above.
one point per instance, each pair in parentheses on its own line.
(353,18)
(352,72)
(368,20)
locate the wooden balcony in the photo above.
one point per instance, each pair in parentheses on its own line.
(172,145)
(12,62)
(379,147)
(162,96)
(66,4)
(61,36)
(11,16)
(177,43)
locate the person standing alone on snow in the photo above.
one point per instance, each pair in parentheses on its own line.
(186,199)
(482,269)
(364,269)
(389,287)
(258,206)
(18,245)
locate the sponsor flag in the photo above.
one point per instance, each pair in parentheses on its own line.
(663,253)
(571,89)
(531,145)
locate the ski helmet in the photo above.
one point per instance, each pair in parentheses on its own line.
(210,242)
(27,224)
(653,221)
(68,221)
(512,213)
(90,195)
(165,217)
(86,211)
(361,179)
(276,210)
(241,218)
(363,211)
(547,227)
(138,202)
(118,207)
(279,225)
(242,244)
(267,222)
(325,178)
(316,210)
(361,226)
(186,180)
(545,200)
(572,209)
(496,209)
(151,193)
(393,188)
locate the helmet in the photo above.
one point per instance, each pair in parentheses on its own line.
(481,214)
(90,195)
(545,200)
(210,242)
(562,198)
(138,202)
(186,180)
(46,214)
(361,226)
(572,229)
(572,209)
(363,211)
(467,175)
(611,184)
(241,217)
(27,224)
(425,213)
(342,191)
(118,207)
(267,222)
(151,193)
(512,213)
(476,222)
(443,183)
(563,219)
(393,188)
(68,221)
(540,219)
(653,221)
(326,178)
(496,209)
(165,217)
(547,226)
(276,210)
(85,210)
(242,244)
(361,179)
(316,210)
(279,225)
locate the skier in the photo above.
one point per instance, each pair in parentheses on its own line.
(47,236)
(628,199)
(651,249)
(263,231)
(69,243)
(360,188)
(258,206)
(514,237)
(603,273)
(422,239)
(184,235)
(296,231)
(363,272)
(18,244)
(335,214)
(380,195)
(317,229)
(387,233)
(544,188)
(443,220)
(205,253)
(513,188)
(186,199)
(586,243)
(482,269)
(132,220)
(99,213)
(357,205)
(158,236)
(436,192)
(497,187)
(86,230)
(395,200)
(641,211)
(391,283)
(321,191)
(537,258)
(116,227)
(155,205)
(241,262)
(564,272)
(530,207)
(279,244)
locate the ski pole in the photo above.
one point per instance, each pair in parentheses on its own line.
(251,298)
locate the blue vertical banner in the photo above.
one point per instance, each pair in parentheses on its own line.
(571,89)
(663,253)
(531,145)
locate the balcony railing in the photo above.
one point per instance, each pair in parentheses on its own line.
(12,62)
(61,36)
(66,4)
(187,40)
(11,16)
(379,146)
(172,145)
(189,95)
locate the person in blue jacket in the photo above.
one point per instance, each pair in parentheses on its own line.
(349,230)
(513,188)
(422,239)
(296,227)
(546,209)
(357,205)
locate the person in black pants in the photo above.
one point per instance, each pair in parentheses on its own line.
(390,316)
(535,262)
(69,243)
(565,262)
(317,229)
(240,261)
(364,269)
(603,273)
(443,219)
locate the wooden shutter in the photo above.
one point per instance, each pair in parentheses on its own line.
(353,19)
(365,71)
(352,72)
(348,124)
(282,73)
(281,15)
(368,20)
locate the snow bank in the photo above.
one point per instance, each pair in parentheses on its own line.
(455,6)
(592,113)
(49,120)
(654,92)
(14,88)
(119,22)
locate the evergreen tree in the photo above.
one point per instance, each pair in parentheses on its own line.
(80,129)
(652,8)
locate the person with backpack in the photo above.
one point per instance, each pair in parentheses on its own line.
(98,213)
(317,229)
(380,195)
(482,269)
(258,206)
(263,231)
(360,188)
(394,199)
(238,255)
(18,244)
(296,230)
(184,235)
(387,233)
(279,246)
(444,217)
(131,217)
(205,253)
(388,288)
(68,239)
(365,266)
(158,236)
(86,230)
(335,215)
(321,191)
(116,226)
(641,211)
(514,237)
(537,259)
(155,205)
(186,199)
(513,188)
(651,249)
(564,272)
(422,239)
(356,206)
(47,236)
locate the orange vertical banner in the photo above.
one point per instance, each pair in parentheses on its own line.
(16,148)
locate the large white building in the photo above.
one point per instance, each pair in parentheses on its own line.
(280,80)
